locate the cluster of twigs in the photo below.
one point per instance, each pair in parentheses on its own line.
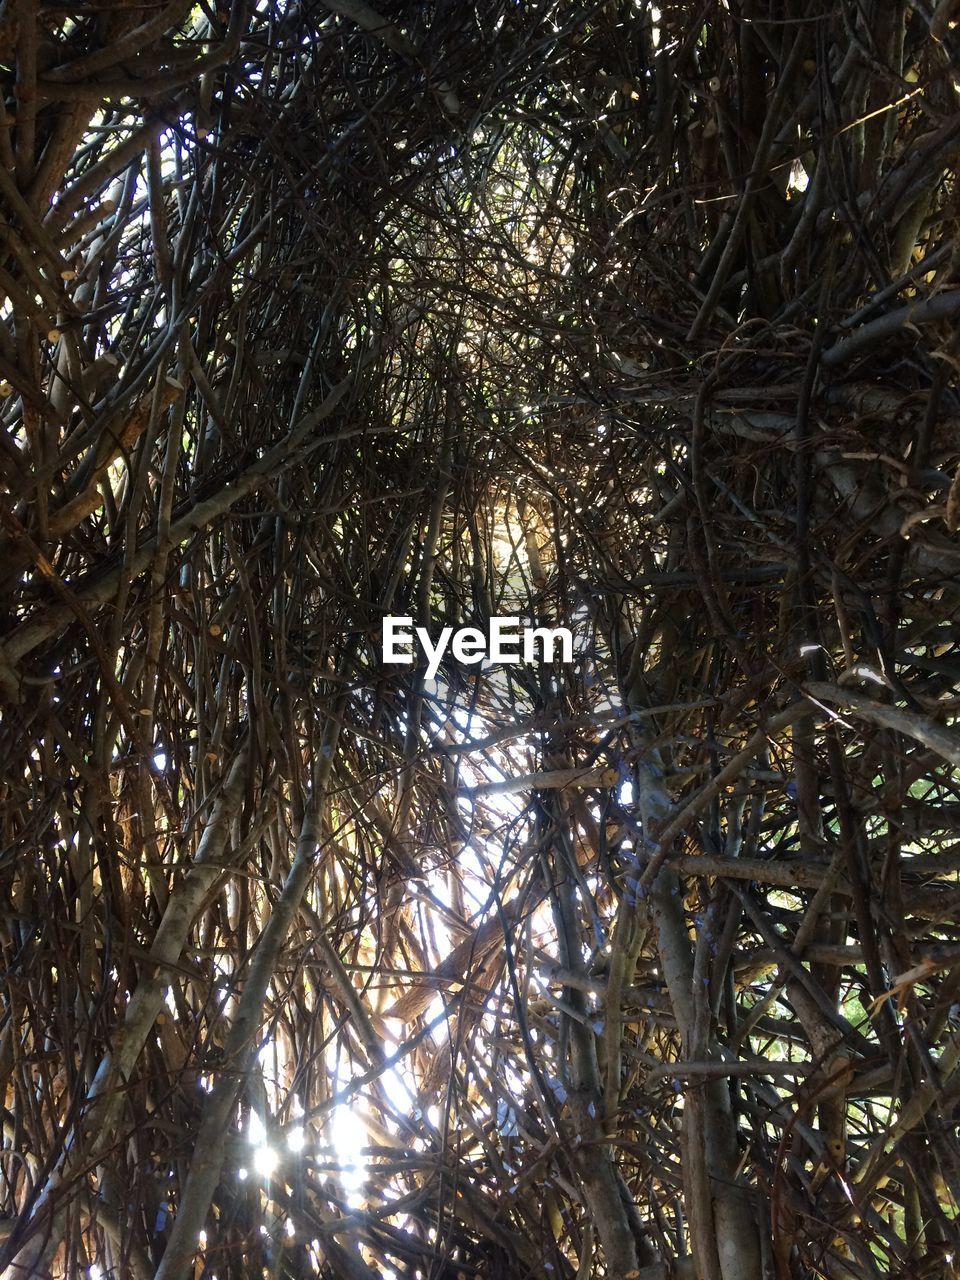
(639,321)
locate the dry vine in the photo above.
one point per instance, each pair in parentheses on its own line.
(636,320)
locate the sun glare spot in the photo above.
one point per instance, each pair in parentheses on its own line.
(264,1156)
(349,1136)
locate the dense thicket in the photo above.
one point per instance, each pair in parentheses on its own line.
(636,320)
